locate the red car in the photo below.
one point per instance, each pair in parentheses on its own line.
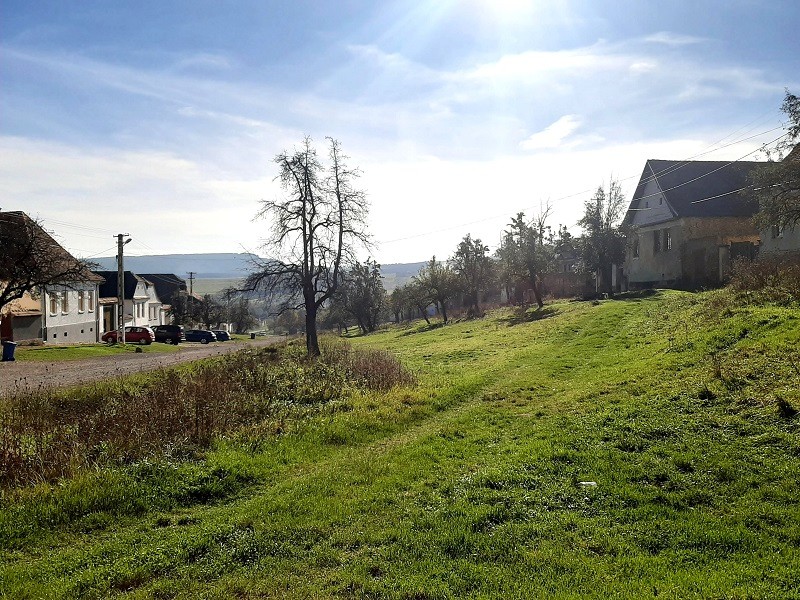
(133,335)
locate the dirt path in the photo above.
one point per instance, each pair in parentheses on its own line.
(17,376)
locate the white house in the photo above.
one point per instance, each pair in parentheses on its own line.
(141,304)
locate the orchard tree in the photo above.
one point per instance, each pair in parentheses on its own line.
(777,183)
(439,282)
(526,253)
(316,228)
(418,296)
(362,295)
(603,242)
(472,266)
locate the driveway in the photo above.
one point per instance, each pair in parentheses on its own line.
(18,376)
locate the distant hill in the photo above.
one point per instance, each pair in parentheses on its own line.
(229,266)
(204,266)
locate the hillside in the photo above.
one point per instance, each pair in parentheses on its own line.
(231,267)
(204,266)
(631,448)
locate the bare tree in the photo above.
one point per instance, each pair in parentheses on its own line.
(315,230)
(31,259)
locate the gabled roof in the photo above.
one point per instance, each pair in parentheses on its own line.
(699,188)
(59,260)
(109,288)
(167,284)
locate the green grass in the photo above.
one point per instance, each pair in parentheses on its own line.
(83,351)
(633,448)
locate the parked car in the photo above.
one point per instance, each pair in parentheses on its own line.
(170,334)
(133,335)
(200,335)
(222,336)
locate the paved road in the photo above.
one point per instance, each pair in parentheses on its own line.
(17,376)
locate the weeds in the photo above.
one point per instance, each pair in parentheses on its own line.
(49,434)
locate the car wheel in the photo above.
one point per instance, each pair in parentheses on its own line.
(204,341)
(174,341)
(142,342)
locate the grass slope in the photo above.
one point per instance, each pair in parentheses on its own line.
(627,449)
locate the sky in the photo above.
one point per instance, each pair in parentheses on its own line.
(161,120)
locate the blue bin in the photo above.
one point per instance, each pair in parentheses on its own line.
(8,351)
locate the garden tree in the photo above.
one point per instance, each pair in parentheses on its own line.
(603,242)
(472,266)
(526,252)
(209,312)
(240,316)
(777,183)
(439,283)
(317,226)
(362,294)
(30,259)
(181,308)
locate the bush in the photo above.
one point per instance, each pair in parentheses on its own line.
(770,279)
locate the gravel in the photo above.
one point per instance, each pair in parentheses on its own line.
(19,375)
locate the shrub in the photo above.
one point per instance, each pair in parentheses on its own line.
(771,279)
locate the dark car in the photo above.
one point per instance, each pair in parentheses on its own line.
(222,336)
(171,334)
(133,335)
(200,335)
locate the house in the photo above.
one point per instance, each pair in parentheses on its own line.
(141,304)
(782,240)
(687,220)
(168,287)
(62,308)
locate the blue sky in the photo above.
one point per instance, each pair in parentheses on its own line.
(160,119)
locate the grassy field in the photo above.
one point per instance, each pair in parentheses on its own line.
(81,351)
(633,448)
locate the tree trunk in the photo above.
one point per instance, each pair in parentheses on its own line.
(444,311)
(312,343)
(424,313)
(537,292)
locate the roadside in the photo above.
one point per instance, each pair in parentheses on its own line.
(26,375)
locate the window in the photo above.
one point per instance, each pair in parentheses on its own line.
(81,301)
(656,241)
(647,204)
(53,303)
(635,250)
(667,240)
(91,301)
(64,302)
(777,232)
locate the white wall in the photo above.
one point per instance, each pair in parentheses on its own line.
(65,320)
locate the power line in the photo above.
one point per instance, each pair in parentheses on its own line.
(671,169)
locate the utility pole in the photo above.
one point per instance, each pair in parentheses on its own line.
(190,298)
(121,288)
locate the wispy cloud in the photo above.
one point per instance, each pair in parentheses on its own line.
(553,135)
(669,38)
